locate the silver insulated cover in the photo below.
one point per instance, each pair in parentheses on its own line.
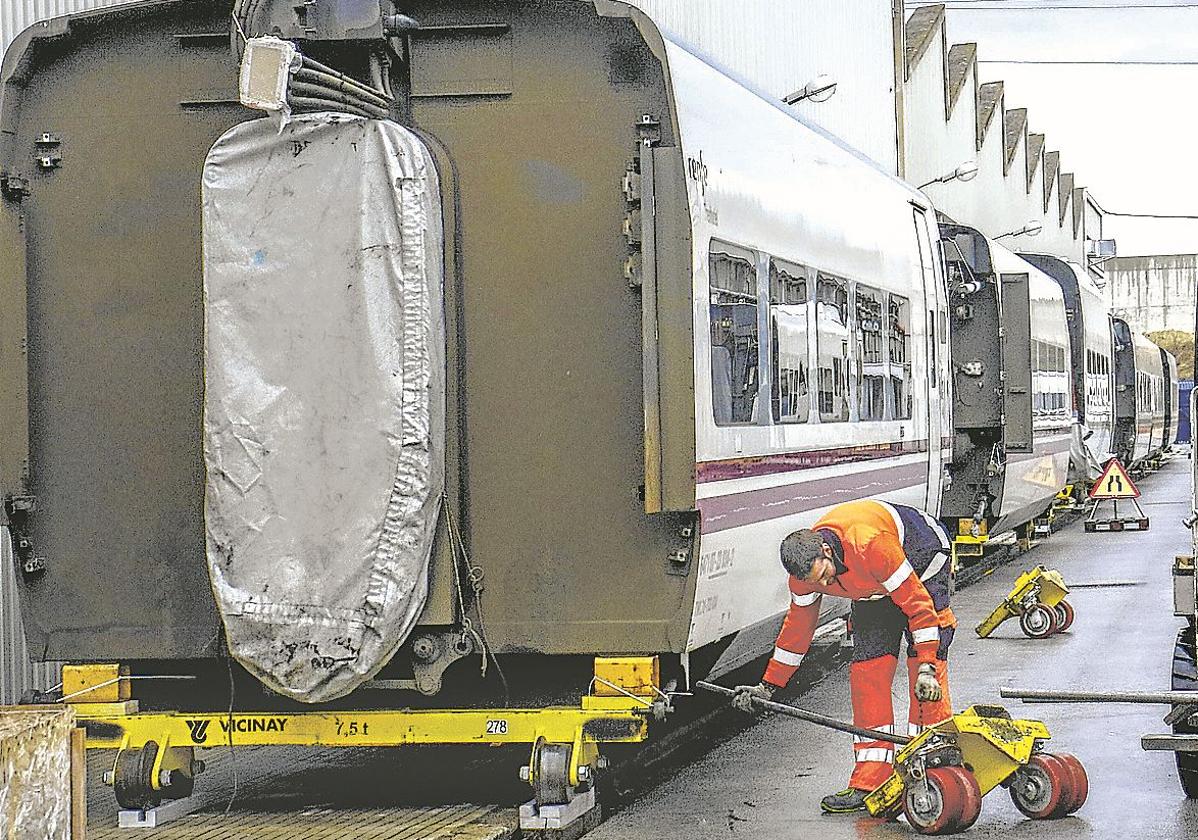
(324,402)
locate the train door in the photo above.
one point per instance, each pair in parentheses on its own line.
(935,355)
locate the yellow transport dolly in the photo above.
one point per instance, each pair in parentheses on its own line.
(941,776)
(1038,598)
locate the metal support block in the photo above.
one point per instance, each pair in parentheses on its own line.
(161,815)
(556,817)
(1170,743)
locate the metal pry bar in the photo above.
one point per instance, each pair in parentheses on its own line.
(1162,698)
(811,717)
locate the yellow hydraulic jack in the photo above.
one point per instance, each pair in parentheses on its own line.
(156,750)
(941,775)
(1038,599)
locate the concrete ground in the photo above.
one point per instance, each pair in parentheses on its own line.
(766,782)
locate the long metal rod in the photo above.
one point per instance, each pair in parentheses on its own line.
(811,717)
(1162,698)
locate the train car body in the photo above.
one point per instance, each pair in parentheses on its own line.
(1012,387)
(1172,398)
(673,332)
(1124,353)
(1150,399)
(1092,380)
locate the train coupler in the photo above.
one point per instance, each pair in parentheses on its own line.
(1038,600)
(942,774)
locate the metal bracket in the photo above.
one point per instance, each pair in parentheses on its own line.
(48,150)
(1181,713)
(648,128)
(14,187)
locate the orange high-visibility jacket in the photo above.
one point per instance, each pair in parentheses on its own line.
(875,565)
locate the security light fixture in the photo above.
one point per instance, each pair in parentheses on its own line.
(1030,229)
(965,172)
(818,89)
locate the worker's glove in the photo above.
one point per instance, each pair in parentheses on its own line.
(927,688)
(743,699)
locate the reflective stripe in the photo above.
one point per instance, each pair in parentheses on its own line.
(941,534)
(863,739)
(786,657)
(803,601)
(900,574)
(935,566)
(898,520)
(924,634)
(875,754)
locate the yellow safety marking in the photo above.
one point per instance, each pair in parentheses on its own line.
(103,683)
(615,675)
(369,728)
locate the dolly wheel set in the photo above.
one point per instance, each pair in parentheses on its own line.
(1038,600)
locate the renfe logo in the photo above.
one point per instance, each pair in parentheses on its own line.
(199,728)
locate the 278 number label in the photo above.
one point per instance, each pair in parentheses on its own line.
(497,727)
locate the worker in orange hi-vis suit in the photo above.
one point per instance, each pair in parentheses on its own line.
(893,562)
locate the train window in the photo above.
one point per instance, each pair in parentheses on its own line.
(734,344)
(871,353)
(789,303)
(832,347)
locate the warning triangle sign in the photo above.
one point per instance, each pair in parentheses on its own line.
(1114,483)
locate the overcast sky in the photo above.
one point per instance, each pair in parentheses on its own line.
(1129,132)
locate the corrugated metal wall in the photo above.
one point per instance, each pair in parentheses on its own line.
(18,15)
(17,673)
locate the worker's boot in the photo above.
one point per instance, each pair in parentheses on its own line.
(845,802)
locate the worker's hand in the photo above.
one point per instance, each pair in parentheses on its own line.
(743,699)
(927,688)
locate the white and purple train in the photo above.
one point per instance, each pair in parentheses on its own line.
(657,322)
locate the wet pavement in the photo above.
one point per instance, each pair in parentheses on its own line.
(766,782)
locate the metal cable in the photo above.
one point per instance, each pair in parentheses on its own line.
(319,104)
(342,85)
(320,92)
(475,577)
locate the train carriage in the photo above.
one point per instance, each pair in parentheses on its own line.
(1172,396)
(1150,400)
(1092,392)
(647,328)
(1012,414)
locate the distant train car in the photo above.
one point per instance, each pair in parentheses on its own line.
(1012,413)
(1172,398)
(1123,350)
(1150,399)
(653,321)
(1092,381)
(1139,396)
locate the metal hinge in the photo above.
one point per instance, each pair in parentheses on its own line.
(48,150)
(648,127)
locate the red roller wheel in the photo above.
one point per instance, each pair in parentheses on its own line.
(1039,788)
(937,807)
(971,793)
(1064,611)
(1038,621)
(1081,781)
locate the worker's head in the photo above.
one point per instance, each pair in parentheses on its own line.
(808,556)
